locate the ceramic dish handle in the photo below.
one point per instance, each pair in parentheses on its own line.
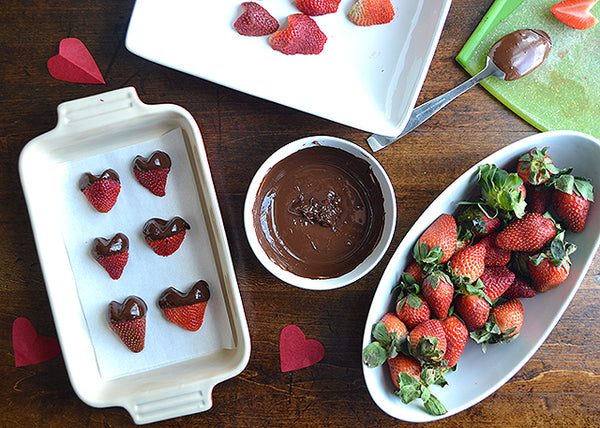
(114,106)
(173,404)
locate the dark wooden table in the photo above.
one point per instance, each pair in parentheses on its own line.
(558,386)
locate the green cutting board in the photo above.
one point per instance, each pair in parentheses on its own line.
(564,92)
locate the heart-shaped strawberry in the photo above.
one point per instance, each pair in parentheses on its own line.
(165,237)
(186,310)
(101,190)
(303,36)
(29,347)
(112,254)
(128,321)
(152,172)
(255,20)
(74,63)
(296,352)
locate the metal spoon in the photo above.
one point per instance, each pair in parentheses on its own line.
(511,58)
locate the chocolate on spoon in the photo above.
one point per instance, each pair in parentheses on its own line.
(512,57)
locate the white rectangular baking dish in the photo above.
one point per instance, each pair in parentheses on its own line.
(99,124)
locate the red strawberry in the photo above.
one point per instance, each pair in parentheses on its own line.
(494,256)
(102,191)
(441,233)
(551,267)
(412,310)
(474,310)
(255,20)
(152,172)
(415,271)
(503,325)
(438,290)
(496,280)
(519,289)
(502,192)
(528,233)
(457,336)
(371,12)
(575,13)
(394,325)
(165,237)
(427,341)
(317,7)
(303,36)
(389,334)
(112,254)
(489,225)
(535,166)
(186,310)
(571,200)
(469,262)
(128,321)
(403,364)
(539,199)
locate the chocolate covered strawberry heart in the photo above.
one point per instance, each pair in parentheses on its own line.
(186,310)
(112,254)
(128,321)
(152,172)
(165,237)
(101,190)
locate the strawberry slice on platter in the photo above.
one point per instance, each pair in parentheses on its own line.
(575,13)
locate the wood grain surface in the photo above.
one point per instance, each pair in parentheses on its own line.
(559,386)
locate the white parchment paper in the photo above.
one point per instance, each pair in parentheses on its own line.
(146,274)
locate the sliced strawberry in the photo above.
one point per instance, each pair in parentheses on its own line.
(112,254)
(575,13)
(189,317)
(154,180)
(101,191)
(114,264)
(303,36)
(371,12)
(167,246)
(317,7)
(186,309)
(255,20)
(128,321)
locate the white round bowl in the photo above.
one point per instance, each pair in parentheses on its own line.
(389,206)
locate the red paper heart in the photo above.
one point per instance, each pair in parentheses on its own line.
(297,352)
(29,347)
(74,63)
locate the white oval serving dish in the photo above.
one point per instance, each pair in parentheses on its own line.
(478,375)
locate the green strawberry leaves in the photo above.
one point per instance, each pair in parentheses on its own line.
(500,190)
(570,184)
(412,389)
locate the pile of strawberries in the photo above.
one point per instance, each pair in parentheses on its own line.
(470,269)
(303,35)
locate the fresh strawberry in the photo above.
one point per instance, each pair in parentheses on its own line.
(528,233)
(457,335)
(165,237)
(571,200)
(539,199)
(393,325)
(494,256)
(371,12)
(442,234)
(186,310)
(438,290)
(390,334)
(503,325)
(317,7)
(502,191)
(112,254)
(575,13)
(303,36)
(128,321)
(474,219)
(403,364)
(415,271)
(535,166)
(468,263)
(520,288)
(550,268)
(412,310)
(255,20)
(427,341)
(152,172)
(473,310)
(101,190)
(496,280)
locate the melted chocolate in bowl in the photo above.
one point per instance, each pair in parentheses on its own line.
(319,212)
